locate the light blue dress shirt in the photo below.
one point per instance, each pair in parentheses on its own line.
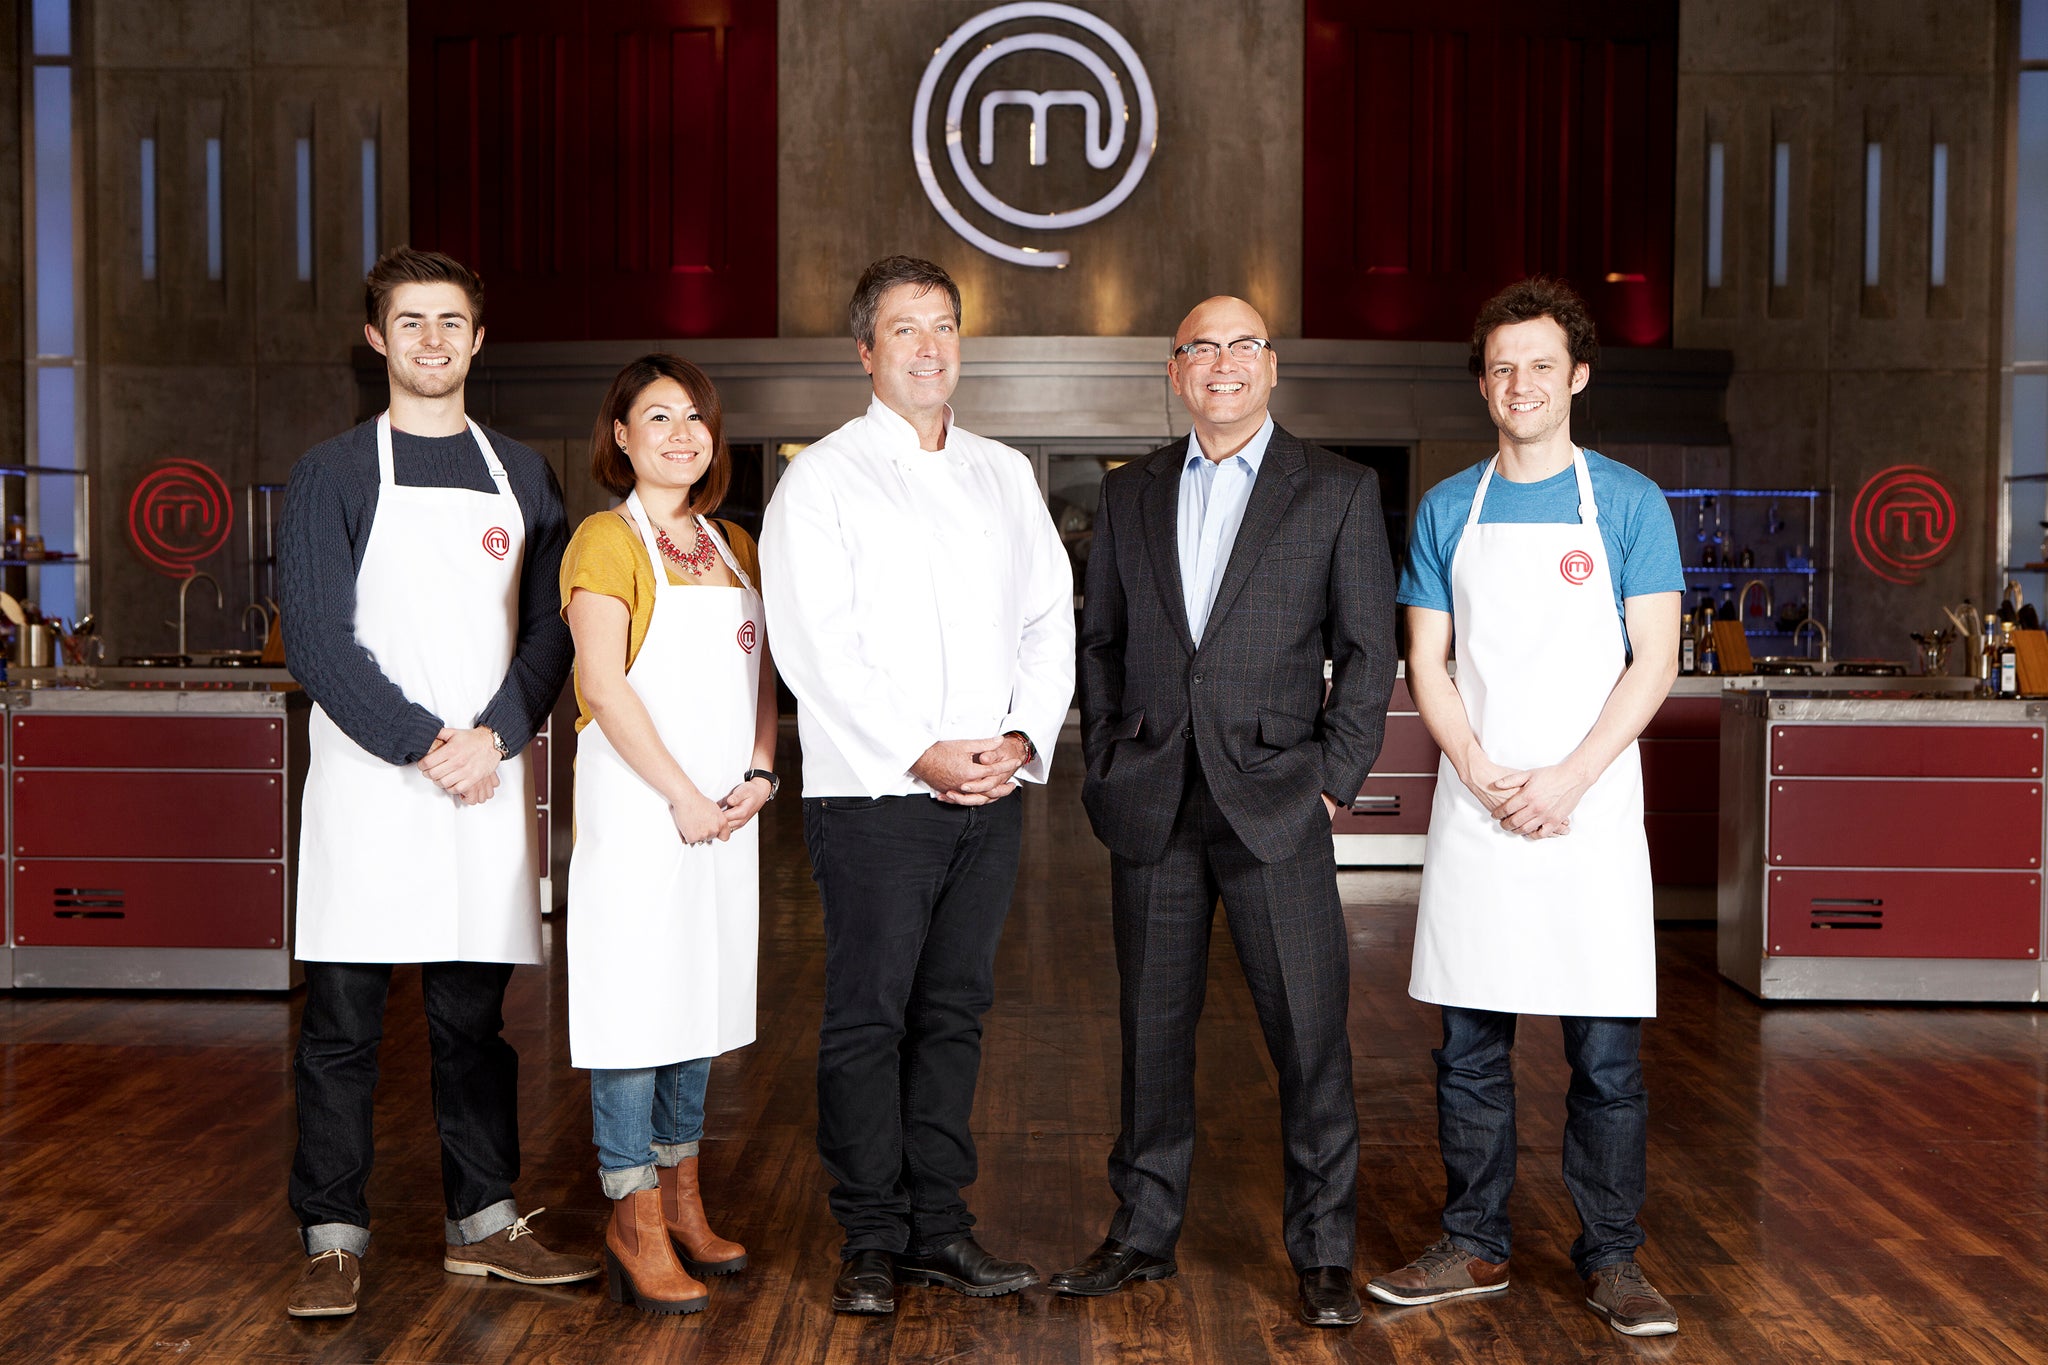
(1213,495)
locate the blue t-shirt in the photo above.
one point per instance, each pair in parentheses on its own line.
(1635,523)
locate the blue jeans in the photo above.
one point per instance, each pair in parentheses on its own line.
(645,1117)
(1606,1133)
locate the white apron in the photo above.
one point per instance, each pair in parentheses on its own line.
(391,867)
(1537,926)
(663,936)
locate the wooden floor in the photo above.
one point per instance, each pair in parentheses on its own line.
(1828,1183)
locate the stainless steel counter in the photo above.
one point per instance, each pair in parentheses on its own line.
(1756,682)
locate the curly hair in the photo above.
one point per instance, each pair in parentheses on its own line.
(1539,296)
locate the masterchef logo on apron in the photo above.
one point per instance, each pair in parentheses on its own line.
(497,544)
(746,636)
(1577,567)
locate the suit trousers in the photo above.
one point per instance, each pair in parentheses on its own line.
(1288,926)
(915,892)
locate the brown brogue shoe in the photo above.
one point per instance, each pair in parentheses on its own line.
(327,1287)
(514,1253)
(682,1209)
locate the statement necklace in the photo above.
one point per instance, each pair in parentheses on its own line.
(701,556)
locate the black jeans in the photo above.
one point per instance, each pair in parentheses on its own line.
(1606,1133)
(915,894)
(475,1087)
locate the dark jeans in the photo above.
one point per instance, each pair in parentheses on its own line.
(475,1087)
(915,894)
(1606,1133)
(1288,927)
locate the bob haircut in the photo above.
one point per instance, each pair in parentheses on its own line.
(1526,300)
(608,463)
(404,265)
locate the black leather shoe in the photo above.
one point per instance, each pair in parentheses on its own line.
(1109,1268)
(1328,1298)
(964,1265)
(866,1284)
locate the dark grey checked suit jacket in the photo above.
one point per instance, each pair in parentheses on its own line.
(1309,577)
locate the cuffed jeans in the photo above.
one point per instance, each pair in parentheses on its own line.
(915,893)
(643,1118)
(1606,1133)
(475,1088)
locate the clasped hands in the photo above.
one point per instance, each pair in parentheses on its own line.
(699,819)
(1536,803)
(972,772)
(463,763)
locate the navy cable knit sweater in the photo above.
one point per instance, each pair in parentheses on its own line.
(329,507)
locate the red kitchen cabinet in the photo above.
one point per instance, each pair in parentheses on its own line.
(1856,912)
(204,742)
(82,813)
(1905,751)
(1389,805)
(110,904)
(1875,822)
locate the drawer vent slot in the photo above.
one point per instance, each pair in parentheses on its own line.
(1848,912)
(88,902)
(1377,805)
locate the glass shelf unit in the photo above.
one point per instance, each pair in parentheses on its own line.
(55,505)
(1789,536)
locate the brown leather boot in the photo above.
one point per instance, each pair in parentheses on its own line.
(682,1208)
(640,1262)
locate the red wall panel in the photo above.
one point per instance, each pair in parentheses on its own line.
(1453,147)
(609,169)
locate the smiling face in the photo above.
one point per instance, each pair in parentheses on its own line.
(428,339)
(1528,380)
(665,438)
(915,359)
(1228,395)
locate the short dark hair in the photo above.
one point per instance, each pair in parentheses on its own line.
(609,465)
(404,265)
(884,275)
(1539,296)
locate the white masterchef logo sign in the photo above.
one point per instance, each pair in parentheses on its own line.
(1107,116)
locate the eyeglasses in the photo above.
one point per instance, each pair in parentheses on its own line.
(1207,352)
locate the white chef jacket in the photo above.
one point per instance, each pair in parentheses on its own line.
(913,596)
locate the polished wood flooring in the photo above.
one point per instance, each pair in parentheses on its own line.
(1828,1183)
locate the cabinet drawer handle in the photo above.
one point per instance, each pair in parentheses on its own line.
(1848,900)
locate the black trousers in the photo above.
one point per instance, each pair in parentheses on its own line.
(475,1086)
(1288,926)
(915,894)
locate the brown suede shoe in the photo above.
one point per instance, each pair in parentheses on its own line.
(1443,1272)
(514,1253)
(682,1209)
(328,1286)
(640,1262)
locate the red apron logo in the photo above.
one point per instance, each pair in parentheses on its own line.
(496,543)
(179,514)
(746,636)
(1903,523)
(1576,566)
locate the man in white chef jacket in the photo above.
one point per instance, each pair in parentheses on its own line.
(922,606)
(1555,574)
(418,556)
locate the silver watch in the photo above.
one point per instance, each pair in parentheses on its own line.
(498,743)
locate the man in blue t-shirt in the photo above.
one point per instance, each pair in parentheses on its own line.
(1553,575)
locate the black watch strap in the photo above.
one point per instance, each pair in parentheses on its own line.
(774,782)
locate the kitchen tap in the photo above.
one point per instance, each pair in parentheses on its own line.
(220,603)
(1742,600)
(262,620)
(1818,629)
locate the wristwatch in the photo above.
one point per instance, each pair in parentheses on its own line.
(774,782)
(498,743)
(1030,749)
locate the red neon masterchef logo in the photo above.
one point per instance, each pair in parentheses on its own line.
(1903,522)
(179,513)
(746,636)
(1576,566)
(496,543)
